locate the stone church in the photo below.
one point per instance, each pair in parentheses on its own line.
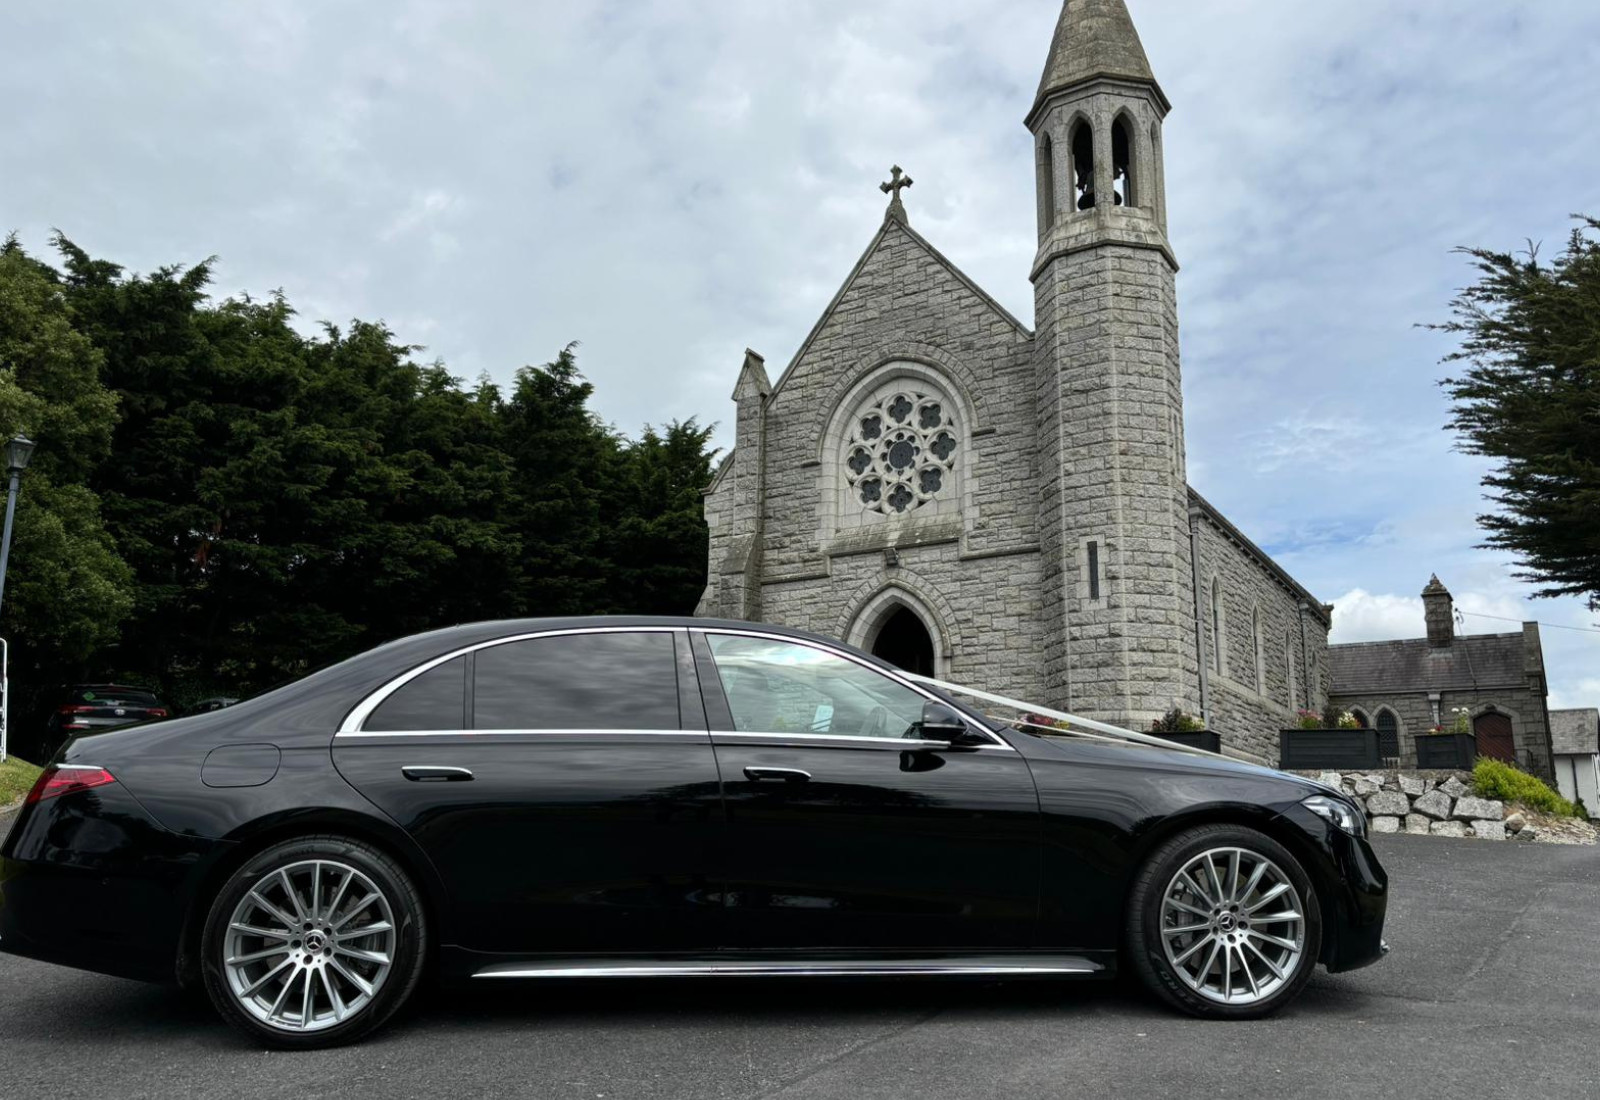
(1007,506)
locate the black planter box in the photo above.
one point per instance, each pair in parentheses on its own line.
(1209,740)
(1336,750)
(1443,751)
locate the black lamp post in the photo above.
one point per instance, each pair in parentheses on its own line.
(19,452)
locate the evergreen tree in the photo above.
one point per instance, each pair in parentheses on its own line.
(67,590)
(1530,399)
(274,500)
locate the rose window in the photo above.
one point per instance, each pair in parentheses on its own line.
(901,452)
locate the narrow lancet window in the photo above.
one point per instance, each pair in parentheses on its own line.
(1083,166)
(1122,163)
(1047,184)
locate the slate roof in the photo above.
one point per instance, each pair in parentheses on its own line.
(1575,732)
(1474,661)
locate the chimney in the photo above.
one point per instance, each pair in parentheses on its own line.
(1440,612)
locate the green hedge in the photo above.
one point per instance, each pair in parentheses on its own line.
(1493,779)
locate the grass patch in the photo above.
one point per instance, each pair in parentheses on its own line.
(16,779)
(1500,781)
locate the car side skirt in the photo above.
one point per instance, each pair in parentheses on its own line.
(742,965)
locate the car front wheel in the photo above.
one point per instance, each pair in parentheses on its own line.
(314,942)
(1224,923)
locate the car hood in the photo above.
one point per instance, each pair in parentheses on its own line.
(1137,755)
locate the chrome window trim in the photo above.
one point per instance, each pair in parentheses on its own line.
(363,710)
(999,742)
(824,739)
(698,735)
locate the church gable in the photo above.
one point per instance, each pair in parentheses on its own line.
(901,406)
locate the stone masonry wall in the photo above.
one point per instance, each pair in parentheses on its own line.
(1526,710)
(905,303)
(1249,706)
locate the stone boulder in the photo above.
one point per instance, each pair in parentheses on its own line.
(1478,809)
(1515,822)
(1332,779)
(1413,786)
(1435,804)
(1453,787)
(1417,824)
(1449,828)
(1366,788)
(1489,830)
(1391,804)
(1386,824)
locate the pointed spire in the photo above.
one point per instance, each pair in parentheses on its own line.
(1094,38)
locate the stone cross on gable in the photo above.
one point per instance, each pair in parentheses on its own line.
(898,181)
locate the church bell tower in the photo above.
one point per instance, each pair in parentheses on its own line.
(1114,515)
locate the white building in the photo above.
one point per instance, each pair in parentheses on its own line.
(1575,739)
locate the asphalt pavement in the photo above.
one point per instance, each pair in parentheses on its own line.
(1492,990)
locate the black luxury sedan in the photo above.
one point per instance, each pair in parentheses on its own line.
(644,797)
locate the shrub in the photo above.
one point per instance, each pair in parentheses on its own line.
(1176,721)
(1500,781)
(1308,720)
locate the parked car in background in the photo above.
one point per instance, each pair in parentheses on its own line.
(656,798)
(82,708)
(206,706)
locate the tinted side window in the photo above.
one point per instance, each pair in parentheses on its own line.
(436,700)
(578,682)
(785,687)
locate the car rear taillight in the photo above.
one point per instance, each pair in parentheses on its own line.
(156,712)
(71,708)
(68,779)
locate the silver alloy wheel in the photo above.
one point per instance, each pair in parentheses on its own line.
(309,945)
(1233,926)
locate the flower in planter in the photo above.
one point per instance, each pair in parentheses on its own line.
(1348,721)
(1308,720)
(1463,720)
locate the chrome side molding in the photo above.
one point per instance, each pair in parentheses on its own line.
(1014,966)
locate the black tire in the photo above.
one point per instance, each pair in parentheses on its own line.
(408,946)
(1147,952)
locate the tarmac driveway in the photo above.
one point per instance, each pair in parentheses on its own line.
(1493,989)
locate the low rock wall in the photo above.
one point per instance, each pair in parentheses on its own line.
(1429,804)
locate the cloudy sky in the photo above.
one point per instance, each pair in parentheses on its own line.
(670,181)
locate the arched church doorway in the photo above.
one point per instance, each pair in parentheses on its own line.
(905,643)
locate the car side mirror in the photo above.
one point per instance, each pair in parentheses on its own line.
(942,722)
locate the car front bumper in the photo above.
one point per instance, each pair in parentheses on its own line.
(1353,890)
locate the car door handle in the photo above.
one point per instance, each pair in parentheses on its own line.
(433,773)
(787,775)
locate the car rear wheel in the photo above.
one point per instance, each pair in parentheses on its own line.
(1224,923)
(314,942)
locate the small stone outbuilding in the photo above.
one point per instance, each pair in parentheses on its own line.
(1407,688)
